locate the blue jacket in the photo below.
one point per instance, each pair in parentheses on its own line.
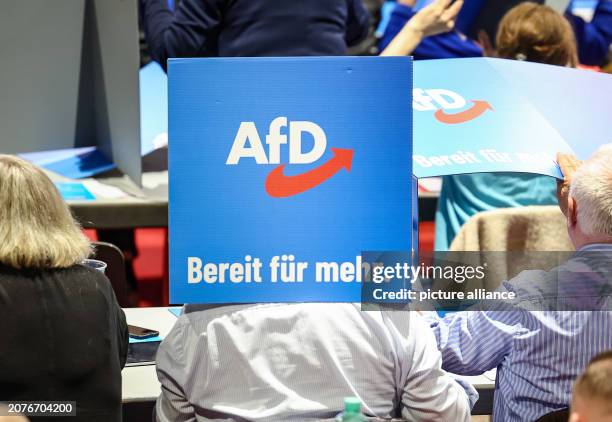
(594,38)
(204,28)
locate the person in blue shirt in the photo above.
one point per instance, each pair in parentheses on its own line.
(247,28)
(436,18)
(530,32)
(594,37)
(442,46)
(542,339)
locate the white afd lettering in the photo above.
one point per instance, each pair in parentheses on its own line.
(247,132)
(433,99)
(247,143)
(296,156)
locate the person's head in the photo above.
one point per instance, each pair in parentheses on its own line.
(589,206)
(4,412)
(592,395)
(536,33)
(37,229)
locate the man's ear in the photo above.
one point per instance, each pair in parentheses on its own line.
(572,212)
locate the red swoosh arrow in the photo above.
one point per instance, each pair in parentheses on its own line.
(476,110)
(278,185)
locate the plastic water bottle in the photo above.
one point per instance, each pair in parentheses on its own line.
(352,411)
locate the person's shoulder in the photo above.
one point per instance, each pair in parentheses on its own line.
(76,280)
(6,271)
(197,318)
(536,290)
(75,272)
(83,272)
(83,276)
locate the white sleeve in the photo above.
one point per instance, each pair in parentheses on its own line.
(429,392)
(172,370)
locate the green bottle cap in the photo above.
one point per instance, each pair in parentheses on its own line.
(352,405)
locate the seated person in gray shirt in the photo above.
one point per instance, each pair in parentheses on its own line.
(279,362)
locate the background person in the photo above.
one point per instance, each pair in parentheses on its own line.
(438,17)
(444,45)
(539,354)
(64,337)
(592,395)
(246,28)
(5,418)
(530,32)
(594,37)
(481,20)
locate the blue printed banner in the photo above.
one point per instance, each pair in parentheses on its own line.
(493,115)
(282,171)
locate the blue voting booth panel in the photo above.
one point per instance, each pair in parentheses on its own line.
(492,115)
(468,118)
(575,102)
(303,159)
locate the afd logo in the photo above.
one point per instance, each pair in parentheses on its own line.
(442,100)
(247,144)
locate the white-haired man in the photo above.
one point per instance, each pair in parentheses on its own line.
(538,345)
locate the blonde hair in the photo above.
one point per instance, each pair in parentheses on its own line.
(594,383)
(37,229)
(591,187)
(536,33)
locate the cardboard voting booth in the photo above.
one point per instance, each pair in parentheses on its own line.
(494,115)
(282,172)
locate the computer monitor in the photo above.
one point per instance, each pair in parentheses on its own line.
(69,78)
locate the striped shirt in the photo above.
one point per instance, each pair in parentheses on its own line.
(538,353)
